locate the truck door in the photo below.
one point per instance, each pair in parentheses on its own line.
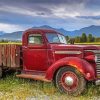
(35,53)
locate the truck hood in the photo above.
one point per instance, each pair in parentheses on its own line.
(74,47)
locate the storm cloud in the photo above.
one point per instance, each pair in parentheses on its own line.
(89,17)
(68,14)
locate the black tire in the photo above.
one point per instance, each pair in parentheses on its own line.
(74,87)
(1,72)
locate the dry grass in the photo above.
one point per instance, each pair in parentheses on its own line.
(17,43)
(92,43)
(12,88)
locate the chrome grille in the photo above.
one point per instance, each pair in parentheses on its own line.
(97,60)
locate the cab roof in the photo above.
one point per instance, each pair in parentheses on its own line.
(41,30)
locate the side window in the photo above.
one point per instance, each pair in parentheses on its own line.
(35,39)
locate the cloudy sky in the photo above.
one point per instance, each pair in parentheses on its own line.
(69,14)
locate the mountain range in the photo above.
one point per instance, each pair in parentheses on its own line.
(94,30)
(1,33)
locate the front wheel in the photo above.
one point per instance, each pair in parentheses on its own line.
(70,81)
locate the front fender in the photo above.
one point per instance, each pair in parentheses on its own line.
(80,64)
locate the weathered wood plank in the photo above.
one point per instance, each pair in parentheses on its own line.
(13,48)
(10,55)
(17,59)
(4,56)
(0,55)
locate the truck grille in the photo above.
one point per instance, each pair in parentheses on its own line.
(98,64)
(97,61)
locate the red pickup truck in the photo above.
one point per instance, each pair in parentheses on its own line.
(46,56)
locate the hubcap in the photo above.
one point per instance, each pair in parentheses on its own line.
(69,81)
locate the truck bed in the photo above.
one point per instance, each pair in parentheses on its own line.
(10,55)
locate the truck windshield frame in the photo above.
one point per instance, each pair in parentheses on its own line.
(56,38)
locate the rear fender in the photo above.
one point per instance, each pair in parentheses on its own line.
(80,64)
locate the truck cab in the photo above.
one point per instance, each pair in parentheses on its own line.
(38,51)
(48,57)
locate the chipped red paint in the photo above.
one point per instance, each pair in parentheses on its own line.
(80,64)
(48,58)
(0,55)
(44,60)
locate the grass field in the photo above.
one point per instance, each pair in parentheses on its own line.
(92,43)
(10,43)
(19,43)
(13,88)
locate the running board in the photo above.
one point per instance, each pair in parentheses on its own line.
(34,77)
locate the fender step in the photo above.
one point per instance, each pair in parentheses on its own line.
(34,77)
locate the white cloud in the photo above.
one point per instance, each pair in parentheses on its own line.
(60,11)
(63,15)
(17,10)
(23,11)
(10,27)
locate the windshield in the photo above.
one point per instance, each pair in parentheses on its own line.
(56,38)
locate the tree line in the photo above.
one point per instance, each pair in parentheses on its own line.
(84,38)
(8,41)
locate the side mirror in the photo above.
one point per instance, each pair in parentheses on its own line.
(71,41)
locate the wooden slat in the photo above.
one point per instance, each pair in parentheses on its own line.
(13,48)
(8,56)
(17,59)
(0,55)
(4,56)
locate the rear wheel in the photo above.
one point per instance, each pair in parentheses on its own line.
(70,81)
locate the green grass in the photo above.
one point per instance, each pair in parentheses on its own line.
(92,43)
(10,43)
(19,43)
(13,88)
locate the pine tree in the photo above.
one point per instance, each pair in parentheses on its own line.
(90,38)
(83,37)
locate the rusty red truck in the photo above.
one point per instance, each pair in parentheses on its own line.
(45,55)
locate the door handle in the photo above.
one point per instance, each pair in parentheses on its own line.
(25,47)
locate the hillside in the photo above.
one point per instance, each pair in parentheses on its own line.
(91,29)
(94,30)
